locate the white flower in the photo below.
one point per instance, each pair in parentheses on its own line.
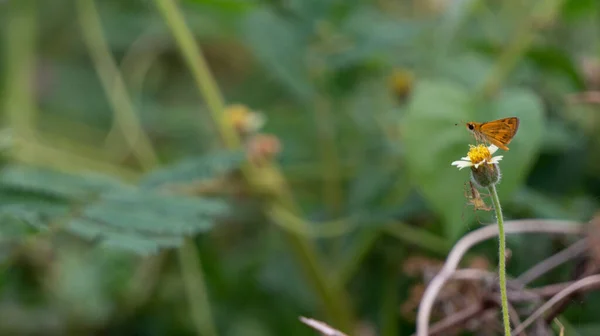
(245,120)
(477,156)
(256,121)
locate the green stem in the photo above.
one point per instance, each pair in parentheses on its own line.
(19,66)
(329,156)
(502,258)
(114,86)
(29,145)
(390,296)
(333,297)
(356,255)
(508,59)
(200,72)
(543,11)
(193,279)
(418,237)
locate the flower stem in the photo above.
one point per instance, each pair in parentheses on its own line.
(124,114)
(195,285)
(502,258)
(333,296)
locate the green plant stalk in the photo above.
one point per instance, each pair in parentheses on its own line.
(329,229)
(418,237)
(126,119)
(331,293)
(568,327)
(508,60)
(501,257)
(330,163)
(356,255)
(21,111)
(193,279)
(329,157)
(66,157)
(200,71)
(543,11)
(126,126)
(21,34)
(333,297)
(134,67)
(114,86)
(390,304)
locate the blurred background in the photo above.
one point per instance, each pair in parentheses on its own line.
(222,167)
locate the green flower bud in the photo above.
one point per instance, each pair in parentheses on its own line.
(486,175)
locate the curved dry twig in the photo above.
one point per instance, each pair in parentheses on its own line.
(473,274)
(475,237)
(552,262)
(591,281)
(457,319)
(321,327)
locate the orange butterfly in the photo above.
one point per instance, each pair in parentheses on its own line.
(497,132)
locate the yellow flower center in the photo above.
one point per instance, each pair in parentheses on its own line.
(479,153)
(401,81)
(238,114)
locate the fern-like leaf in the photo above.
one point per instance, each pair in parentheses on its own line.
(144,211)
(56,184)
(193,169)
(104,210)
(115,238)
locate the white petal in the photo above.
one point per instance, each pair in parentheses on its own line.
(257,121)
(496,159)
(478,164)
(466,158)
(462,164)
(492,149)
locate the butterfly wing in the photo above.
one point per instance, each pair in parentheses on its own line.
(500,132)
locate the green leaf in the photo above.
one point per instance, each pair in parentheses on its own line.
(78,283)
(139,244)
(16,221)
(469,69)
(54,183)
(375,35)
(121,239)
(192,169)
(142,222)
(573,10)
(144,211)
(433,142)
(556,61)
(525,147)
(591,329)
(310,11)
(99,208)
(281,48)
(450,24)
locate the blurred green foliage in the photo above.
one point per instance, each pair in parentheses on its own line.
(364,97)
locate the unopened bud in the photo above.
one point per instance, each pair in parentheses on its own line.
(486,175)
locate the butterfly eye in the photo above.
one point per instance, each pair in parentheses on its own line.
(470,126)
